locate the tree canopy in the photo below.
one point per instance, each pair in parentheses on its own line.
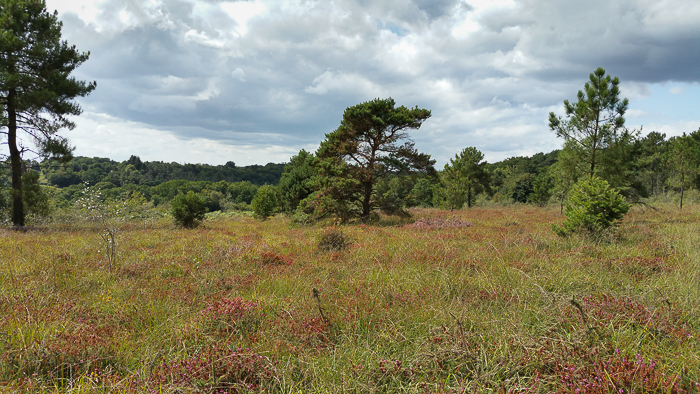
(297,182)
(593,122)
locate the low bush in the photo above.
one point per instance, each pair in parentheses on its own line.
(188,209)
(592,207)
(333,240)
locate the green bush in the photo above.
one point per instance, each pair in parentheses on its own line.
(188,209)
(265,202)
(592,207)
(301,218)
(542,188)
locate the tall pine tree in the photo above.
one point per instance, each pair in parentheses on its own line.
(369,146)
(594,123)
(36,90)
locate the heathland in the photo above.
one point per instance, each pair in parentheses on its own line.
(478,300)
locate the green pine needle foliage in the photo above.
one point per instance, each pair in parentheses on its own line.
(592,207)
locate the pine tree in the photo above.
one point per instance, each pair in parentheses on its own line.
(465,172)
(593,123)
(370,144)
(36,90)
(684,159)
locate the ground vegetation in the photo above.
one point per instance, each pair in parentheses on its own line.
(479,300)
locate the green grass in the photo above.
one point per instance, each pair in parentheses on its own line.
(481,300)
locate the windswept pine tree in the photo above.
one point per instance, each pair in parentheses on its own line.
(36,89)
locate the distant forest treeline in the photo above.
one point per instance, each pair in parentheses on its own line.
(226,187)
(157,181)
(152,173)
(222,186)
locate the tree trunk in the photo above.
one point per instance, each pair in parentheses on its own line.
(366,199)
(561,204)
(15,160)
(682,184)
(469,195)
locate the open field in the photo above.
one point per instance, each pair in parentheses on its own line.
(481,300)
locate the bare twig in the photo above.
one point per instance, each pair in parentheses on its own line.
(580,309)
(317,296)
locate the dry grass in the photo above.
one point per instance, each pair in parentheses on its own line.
(487,299)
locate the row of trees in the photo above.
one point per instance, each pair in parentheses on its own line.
(653,166)
(370,163)
(134,171)
(597,144)
(220,187)
(40,201)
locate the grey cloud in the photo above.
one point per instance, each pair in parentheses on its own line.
(439,8)
(498,21)
(576,36)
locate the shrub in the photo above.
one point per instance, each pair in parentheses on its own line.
(301,218)
(108,216)
(592,207)
(333,240)
(188,209)
(214,370)
(265,202)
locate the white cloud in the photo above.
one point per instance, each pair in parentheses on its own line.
(87,10)
(171,94)
(243,13)
(635,90)
(202,39)
(516,63)
(676,90)
(103,135)
(635,114)
(401,53)
(208,93)
(673,129)
(117,16)
(345,83)
(669,15)
(467,19)
(239,74)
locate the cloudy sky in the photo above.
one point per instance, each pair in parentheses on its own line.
(209,81)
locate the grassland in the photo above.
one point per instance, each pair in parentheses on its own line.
(481,300)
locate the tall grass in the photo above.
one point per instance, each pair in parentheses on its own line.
(481,300)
